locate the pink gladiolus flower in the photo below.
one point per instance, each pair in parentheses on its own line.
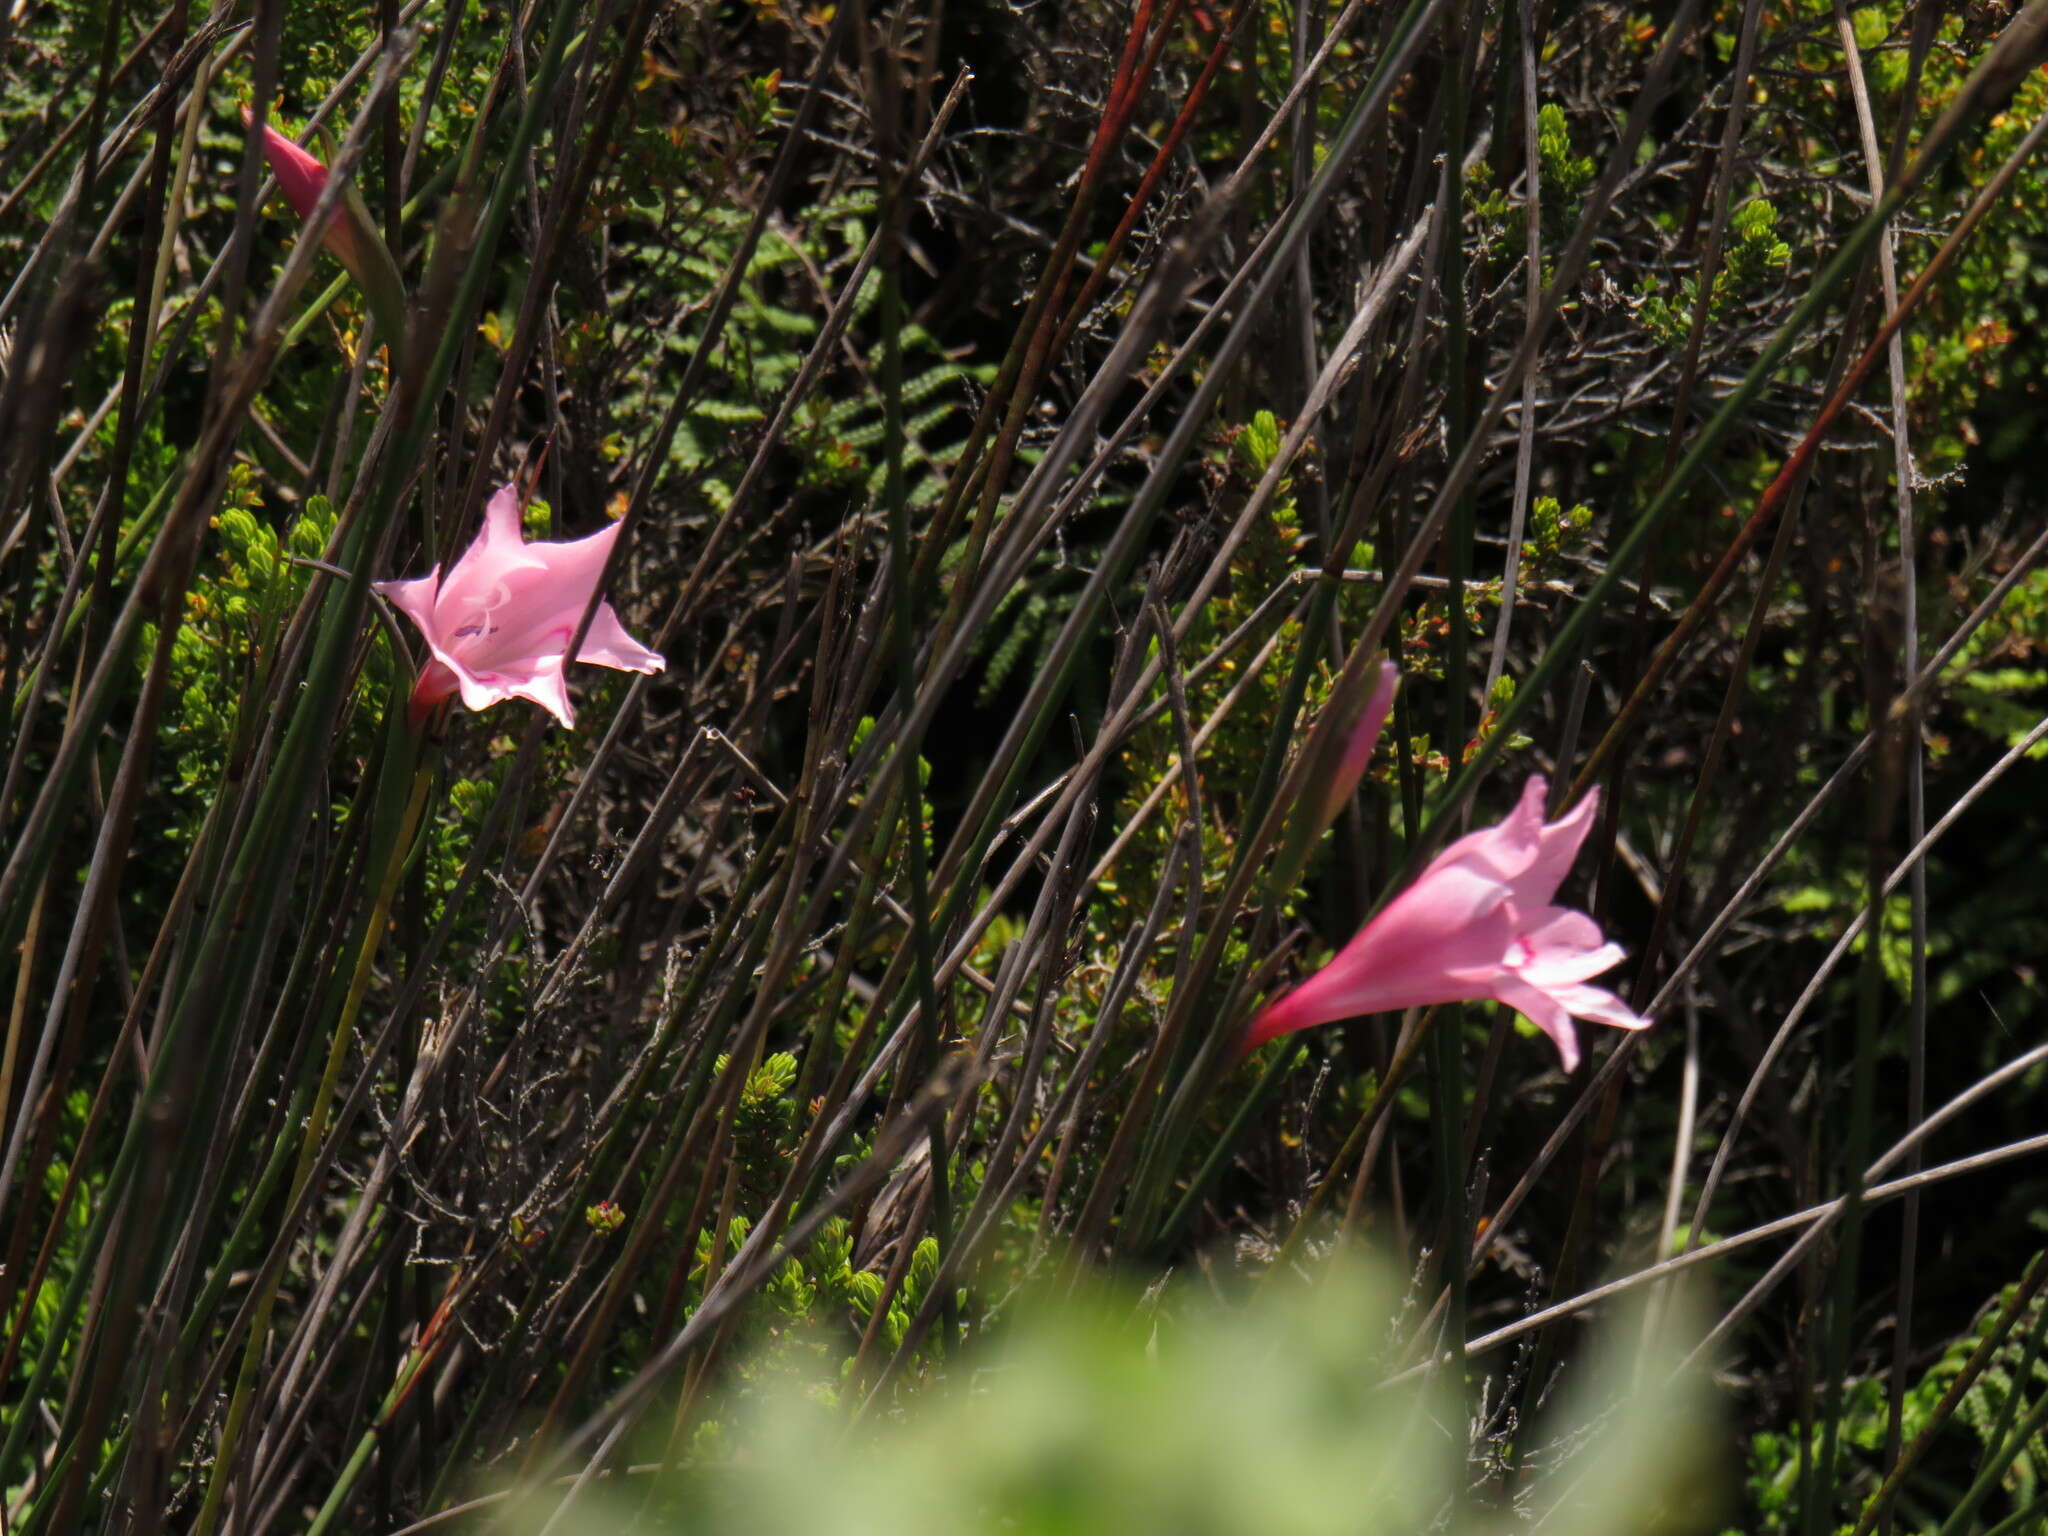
(1477,923)
(500,622)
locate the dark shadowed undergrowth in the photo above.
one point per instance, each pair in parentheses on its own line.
(804,1092)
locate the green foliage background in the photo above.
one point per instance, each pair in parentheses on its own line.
(619,1001)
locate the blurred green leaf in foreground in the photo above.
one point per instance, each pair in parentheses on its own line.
(1287,1412)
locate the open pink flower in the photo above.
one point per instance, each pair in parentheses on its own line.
(500,622)
(1477,923)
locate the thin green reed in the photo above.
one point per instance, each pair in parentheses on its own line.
(1818,1512)
(402,794)
(698,1063)
(903,617)
(1269,806)
(267,852)
(1447,1036)
(2009,1436)
(173,1167)
(776,879)
(1992,80)
(1039,708)
(2018,1304)
(335,1354)
(228,929)
(2023,42)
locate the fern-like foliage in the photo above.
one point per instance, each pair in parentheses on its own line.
(783,296)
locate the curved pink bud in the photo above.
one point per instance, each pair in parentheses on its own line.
(302,178)
(1358,747)
(347,231)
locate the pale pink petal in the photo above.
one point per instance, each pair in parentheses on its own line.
(521,615)
(606,644)
(480,690)
(544,685)
(1559,842)
(1545,1012)
(1599,1005)
(1468,928)
(579,563)
(480,686)
(1562,968)
(1504,852)
(414,598)
(539,680)
(1453,922)
(1555,945)
(504,518)
(1549,930)
(499,623)
(475,585)
(534,609)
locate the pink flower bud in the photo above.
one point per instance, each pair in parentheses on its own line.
(1365,735)
(302,178)
(348,232)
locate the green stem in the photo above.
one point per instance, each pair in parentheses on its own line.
(338,1494)
(903,600)
(394,853)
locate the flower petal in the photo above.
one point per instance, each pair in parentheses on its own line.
(579,563)
(1555,946)
(1599,1005)
(539,680)
(534,610)
(473,585)
(1478,922)
(1545,1012)
(1341,991)
(607,644)
(1564,968)
(414,598)
(545,687)
(480,690)
(1502,853)
(1558,845)
(1420,949)
(300,176)
(499,623)
(1453,922)
(1358,746)
(1559,930)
